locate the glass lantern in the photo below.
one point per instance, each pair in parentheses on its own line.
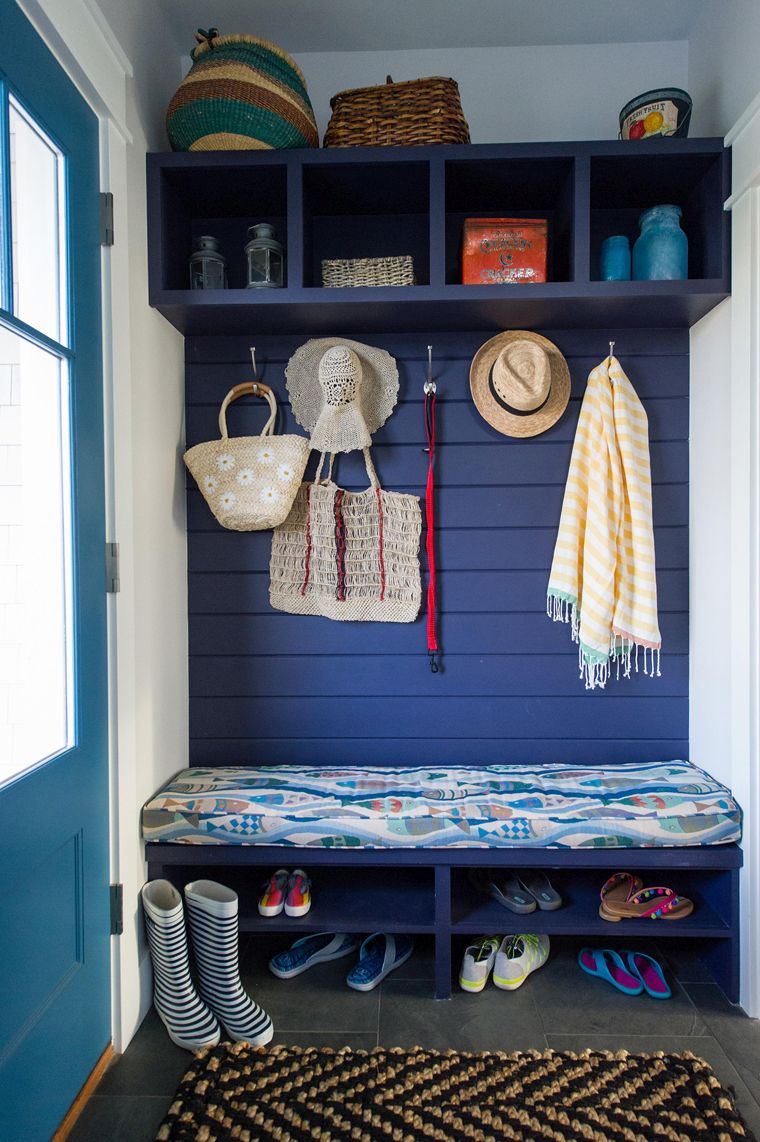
(265,258)
(208,267)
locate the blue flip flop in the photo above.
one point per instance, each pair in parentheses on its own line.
(606,964)
(650,972)
(379,955)
(310,950)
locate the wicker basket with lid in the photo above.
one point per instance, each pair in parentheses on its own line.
(417,112)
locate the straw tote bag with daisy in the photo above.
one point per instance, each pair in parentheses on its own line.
(249,482)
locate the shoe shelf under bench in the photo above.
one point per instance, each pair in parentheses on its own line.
(427,892)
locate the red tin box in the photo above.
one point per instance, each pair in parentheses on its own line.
(498,250)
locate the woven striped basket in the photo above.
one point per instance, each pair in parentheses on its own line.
(368,271)
(242,93)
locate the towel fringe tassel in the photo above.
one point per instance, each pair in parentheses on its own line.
(624,652)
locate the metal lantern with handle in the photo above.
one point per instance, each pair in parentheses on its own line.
(208,266)
(265,258)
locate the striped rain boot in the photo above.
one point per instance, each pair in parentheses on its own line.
(187,1019)
(213,914)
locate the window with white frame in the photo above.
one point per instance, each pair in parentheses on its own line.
(36,572)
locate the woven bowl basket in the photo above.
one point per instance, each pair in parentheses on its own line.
(368,271)
(417,112)
(242,93)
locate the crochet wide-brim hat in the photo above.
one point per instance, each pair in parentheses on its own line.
(341,391)
(520,383)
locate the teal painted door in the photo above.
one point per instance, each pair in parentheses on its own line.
(54,914)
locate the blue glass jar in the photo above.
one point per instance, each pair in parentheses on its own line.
(615,259)
(661,251)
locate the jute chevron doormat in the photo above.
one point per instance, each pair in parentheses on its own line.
(293,1094)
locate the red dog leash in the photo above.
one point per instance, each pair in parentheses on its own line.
(432,640)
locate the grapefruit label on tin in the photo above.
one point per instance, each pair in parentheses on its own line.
(659,118)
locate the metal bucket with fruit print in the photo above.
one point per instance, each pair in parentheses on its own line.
(665,113)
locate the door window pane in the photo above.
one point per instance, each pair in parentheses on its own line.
(36,226)
(35,556)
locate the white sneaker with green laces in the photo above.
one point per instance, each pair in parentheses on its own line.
(477,962)
(517,957)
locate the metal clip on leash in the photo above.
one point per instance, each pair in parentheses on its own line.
(429,390)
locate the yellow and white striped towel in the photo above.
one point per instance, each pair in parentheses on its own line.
(602,579)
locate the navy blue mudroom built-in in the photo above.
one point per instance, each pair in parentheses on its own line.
(272,687)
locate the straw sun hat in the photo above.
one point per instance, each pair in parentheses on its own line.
(520,383)
(341,391)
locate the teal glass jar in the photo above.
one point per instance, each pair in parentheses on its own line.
(615,259)
(661,251)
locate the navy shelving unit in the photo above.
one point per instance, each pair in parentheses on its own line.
(271,688)
(367,202)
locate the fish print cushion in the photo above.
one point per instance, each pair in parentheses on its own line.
(496,806)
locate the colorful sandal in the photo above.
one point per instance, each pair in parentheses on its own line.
(606,964)
(379,955)
(620,886)
(656,903)
(650,973)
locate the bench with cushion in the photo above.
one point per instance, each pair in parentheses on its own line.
(351,824)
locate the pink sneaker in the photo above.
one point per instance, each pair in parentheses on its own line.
(298,900)
(272,899)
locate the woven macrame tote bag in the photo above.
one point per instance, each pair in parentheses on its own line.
(249,482)
(352,556)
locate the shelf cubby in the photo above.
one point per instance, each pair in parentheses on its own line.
(348,212)
(199,200)
(342,901)
(473,911)
(512,188)
(625,185)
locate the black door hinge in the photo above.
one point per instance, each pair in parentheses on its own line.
(113,580)
(117,909)
(106,218)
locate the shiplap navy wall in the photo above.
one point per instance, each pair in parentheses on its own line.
(271,687)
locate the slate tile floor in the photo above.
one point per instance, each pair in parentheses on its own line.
(558,1007)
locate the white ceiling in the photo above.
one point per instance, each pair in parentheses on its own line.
(376,25)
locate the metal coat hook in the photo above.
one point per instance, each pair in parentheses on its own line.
(253,365)
(612,346)
(429,386)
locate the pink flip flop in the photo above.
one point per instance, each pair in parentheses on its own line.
(606,964)
(650,973)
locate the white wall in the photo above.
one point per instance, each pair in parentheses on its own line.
(525,94)
(723,69)
(725,524)
(127,66)
(709,541)
(148,503)
(724,82)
